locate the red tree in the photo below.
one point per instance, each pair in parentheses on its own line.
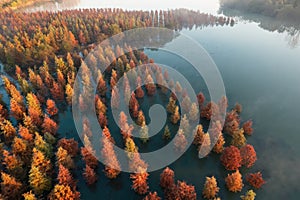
(152,196)
(64,177)
(51,107)
(89,158)
(89,175)
(255,180)
(248,155)
(70,145)
(112,167)
(139,182)
(167,178)
(201,99)
(57,92)
(49,126)
(247,126)
(185,191)
(231,158)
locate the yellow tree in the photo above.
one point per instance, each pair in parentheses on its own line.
(39,181)
(234,182)
(211,188)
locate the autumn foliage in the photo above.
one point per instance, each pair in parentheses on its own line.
(248,155)
(234,182)
(255,180)
(89,175)
(210,189)
(231,158)
(139,182)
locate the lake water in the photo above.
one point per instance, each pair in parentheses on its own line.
(261,71)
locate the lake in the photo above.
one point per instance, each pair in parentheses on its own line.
(260,70)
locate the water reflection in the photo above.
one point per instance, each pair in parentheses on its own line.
(291,29)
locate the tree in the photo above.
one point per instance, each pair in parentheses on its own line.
(64,177)
(205,148)
(139,92)
(144,133)
(250,195)
(211,188)
(238,138)
(63,192)
(24,133)
(234,182)
(238,108)
(167,178)
(41,162)
(20,147)
(112,166)
(141,118)
(89,175)
(29,196)
(49,126)
(167,133)
(139,182)
(70,145)
(89,158)
(231,158)
(39,181)
(101,87)
(57,92)
(16,109)
(171,107)
(219,146)
(13,164)
(150,86)
(180,141)
(152,196)
(34,109)
(185,124)
(194,112)
(100,106)
(247,126)
(232,122)
(69,93)
(8,130)
(185,191)
(176,116)
(10,187)
(186,104)
(198,135)
(255,180)
(51,107)
(248,155)
(115,98)
(63,158)
(210,111)
(42,145)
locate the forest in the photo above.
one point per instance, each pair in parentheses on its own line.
(42,52)
(279,9)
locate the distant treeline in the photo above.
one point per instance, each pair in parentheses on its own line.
(15,4)
(279,9)
(27,39)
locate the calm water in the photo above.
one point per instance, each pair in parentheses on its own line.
(261,71)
